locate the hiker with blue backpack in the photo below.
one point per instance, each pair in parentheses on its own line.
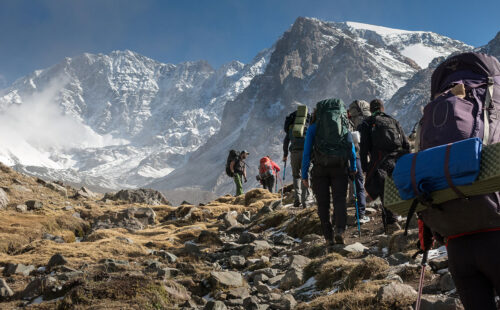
(383,141)
(330,147)
(293,144)
(465,103)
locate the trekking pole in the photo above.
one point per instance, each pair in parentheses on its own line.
(283,182)
(356,204)
(421,282)
(276,182)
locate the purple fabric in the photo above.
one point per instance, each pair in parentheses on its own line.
(476,63)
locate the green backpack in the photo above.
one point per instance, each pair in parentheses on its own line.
(331,143)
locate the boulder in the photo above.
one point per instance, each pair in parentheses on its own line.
(286,302)
(247,237)
(226,279)
(394,293)
(229,219)
(21,208)
(446,282)
(355,248)
(34,205)
(11,269)
(237,261)
(132,219)
(298,262)
(253,303)
(215,305)
(56,260)
(440,302)
(244,218)
(292,278)
(142,195)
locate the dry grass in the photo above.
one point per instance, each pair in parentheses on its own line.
(305,222)
(371,267)
(361,298)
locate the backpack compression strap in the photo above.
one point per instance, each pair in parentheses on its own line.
(487,105)
(447,173)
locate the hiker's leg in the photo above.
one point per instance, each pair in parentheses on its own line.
(387,216)
(270,183)
(487,254)
(474,288)
(239,185)
(339,183)
(321,189)
(360,188)
(296,163)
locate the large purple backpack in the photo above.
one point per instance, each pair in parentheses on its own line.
(465,91)
(465,103)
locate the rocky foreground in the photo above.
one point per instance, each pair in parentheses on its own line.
(66,248)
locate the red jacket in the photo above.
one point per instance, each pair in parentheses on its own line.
(267,162)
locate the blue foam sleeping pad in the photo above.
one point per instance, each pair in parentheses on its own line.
(464,165)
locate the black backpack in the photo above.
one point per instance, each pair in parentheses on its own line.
(232,156)
(385,133)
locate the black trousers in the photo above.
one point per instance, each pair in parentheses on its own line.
(268,183)
(331,183)
(474,264)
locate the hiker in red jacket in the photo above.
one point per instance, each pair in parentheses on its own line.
(268,170)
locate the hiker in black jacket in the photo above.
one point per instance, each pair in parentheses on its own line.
(383,141)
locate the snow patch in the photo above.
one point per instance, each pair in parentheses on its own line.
(378,29)
(421,54)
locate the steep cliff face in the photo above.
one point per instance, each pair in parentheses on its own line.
(139,117)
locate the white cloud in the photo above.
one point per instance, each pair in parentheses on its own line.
(38,124)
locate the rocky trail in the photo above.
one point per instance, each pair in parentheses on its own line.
(66,248)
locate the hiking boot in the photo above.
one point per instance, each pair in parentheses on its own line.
(364,219)
(296,204)
(339,238)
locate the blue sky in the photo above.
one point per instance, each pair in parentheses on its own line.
(37,34)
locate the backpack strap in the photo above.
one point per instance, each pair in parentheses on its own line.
(447,173)
(488,105)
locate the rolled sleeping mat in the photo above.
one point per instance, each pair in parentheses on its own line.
(300,121)
(487,182)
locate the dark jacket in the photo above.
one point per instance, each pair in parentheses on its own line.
(380,159)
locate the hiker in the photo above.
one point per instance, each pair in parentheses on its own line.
(383,141)
(268,172)
(295,145)
(358,111)
(334,158)
(239,171)
(460,89)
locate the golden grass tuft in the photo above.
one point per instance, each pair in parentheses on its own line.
(371,267)
(305,222)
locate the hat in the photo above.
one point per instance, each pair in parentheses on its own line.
(245,152)
(376,105)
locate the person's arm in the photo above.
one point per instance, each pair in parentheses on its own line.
(286,143)
(365,145)
(276,167)
(306,155)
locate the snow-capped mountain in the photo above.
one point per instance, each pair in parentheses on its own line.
(116,120)
(313,60)
(124,120)
(408,102)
